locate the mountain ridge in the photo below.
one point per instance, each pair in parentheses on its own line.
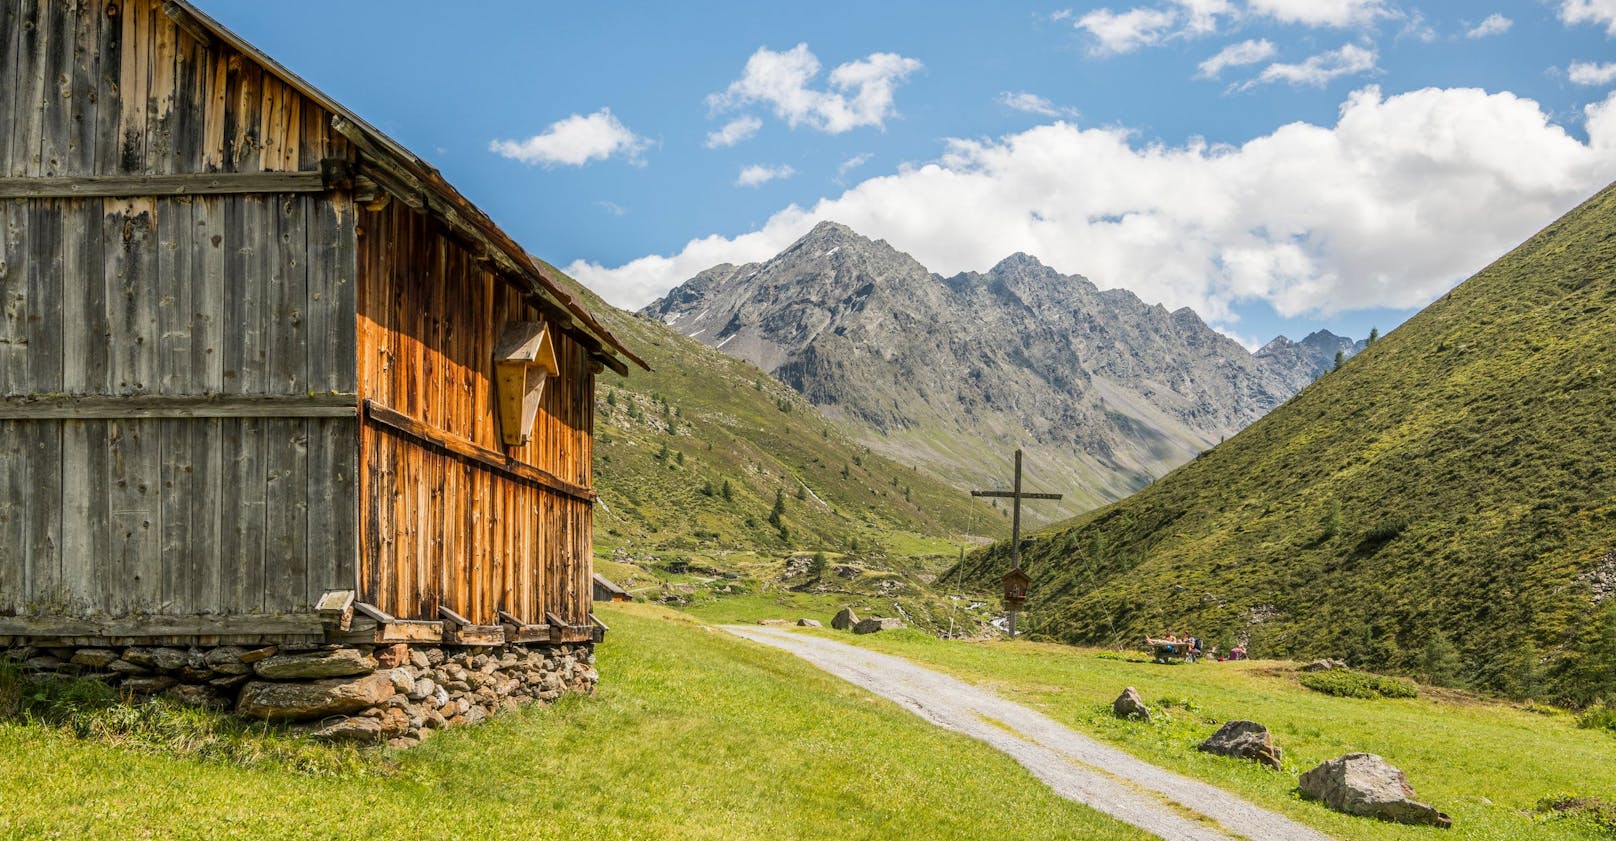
(1104,391)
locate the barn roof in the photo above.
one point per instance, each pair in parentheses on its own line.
(418,183)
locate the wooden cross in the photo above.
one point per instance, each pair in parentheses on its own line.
(1012,606)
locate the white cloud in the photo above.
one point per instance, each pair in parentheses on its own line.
(1495,24)
(757,175)
(863,89)
(734,131)
(1336,13)
(1402,197)
(1032,103)
(1320,69)
(1414,26)
(1061,15)
(612,207)
(1597,12)
(1128,31)
(1235,55)
(1201,16)
(1588,73)
(853,163)
(575,141)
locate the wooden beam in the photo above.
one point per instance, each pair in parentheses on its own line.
(367,630)
(246,624)
(189,24)
(527,633)
(452,618)
(336,609)
(375,613)
(190,184)
(104,407)
(474,454)
(474,635)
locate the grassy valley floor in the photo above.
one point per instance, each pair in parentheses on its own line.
(1487,764)
(693,734)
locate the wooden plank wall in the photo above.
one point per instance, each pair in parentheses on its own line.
(454,532)
(172,296)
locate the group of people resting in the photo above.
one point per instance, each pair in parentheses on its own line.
(1182,644)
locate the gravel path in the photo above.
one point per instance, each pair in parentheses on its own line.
(1075,766)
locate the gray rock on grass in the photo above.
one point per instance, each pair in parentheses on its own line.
(845,619)
(1244,740)
(1363,784)
(1130,705)
(875,624)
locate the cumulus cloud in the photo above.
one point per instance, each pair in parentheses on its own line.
(1235,55)
(1388,207)
(1336,13)
(1126,31)
(757,175)
(1319,70)
(735,131)
(860,94)
(1032,103)
(1597,12)
(1494,24)
(575,141)
(1588,73)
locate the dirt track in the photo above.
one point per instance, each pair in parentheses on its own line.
(1073,765)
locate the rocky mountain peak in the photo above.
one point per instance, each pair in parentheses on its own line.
(1107,390)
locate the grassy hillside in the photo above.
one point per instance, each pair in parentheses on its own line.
(1443,505)
(693,734)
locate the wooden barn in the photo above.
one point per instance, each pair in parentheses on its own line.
(264,375)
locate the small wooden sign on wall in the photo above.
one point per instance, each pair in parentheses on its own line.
(523,360)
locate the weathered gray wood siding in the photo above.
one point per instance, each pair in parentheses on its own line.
(176,296)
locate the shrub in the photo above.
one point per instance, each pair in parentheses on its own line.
(1347,683)
(1598,717)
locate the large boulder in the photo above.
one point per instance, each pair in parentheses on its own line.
(874,624)
(845,619)
(302,665)
(809,623)
(1363,784)
(312,699)
(1244,740)
(1130,705)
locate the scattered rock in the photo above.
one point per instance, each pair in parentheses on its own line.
(874,624)
(774,622)
(356,729)
(1324,665)
(94,658)
(124,667)
(392,656)
(343,662)
(147,684)
(160,659)
(1363,784)
(403,682)
(313,699)
(1244,740)
(1130,705)
(845,619)
(810,623)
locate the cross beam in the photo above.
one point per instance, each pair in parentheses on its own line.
(1016,495)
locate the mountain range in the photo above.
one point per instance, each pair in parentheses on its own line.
(1103,391)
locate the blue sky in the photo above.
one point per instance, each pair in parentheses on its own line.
(1352,160)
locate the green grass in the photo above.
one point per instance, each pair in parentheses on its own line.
(1488,764)
(1458,478)
(693,734)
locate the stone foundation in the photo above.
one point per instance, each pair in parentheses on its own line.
(397,694)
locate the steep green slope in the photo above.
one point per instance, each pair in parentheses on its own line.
(670,441)
(1452,487)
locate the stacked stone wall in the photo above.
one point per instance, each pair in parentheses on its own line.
(398,694)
